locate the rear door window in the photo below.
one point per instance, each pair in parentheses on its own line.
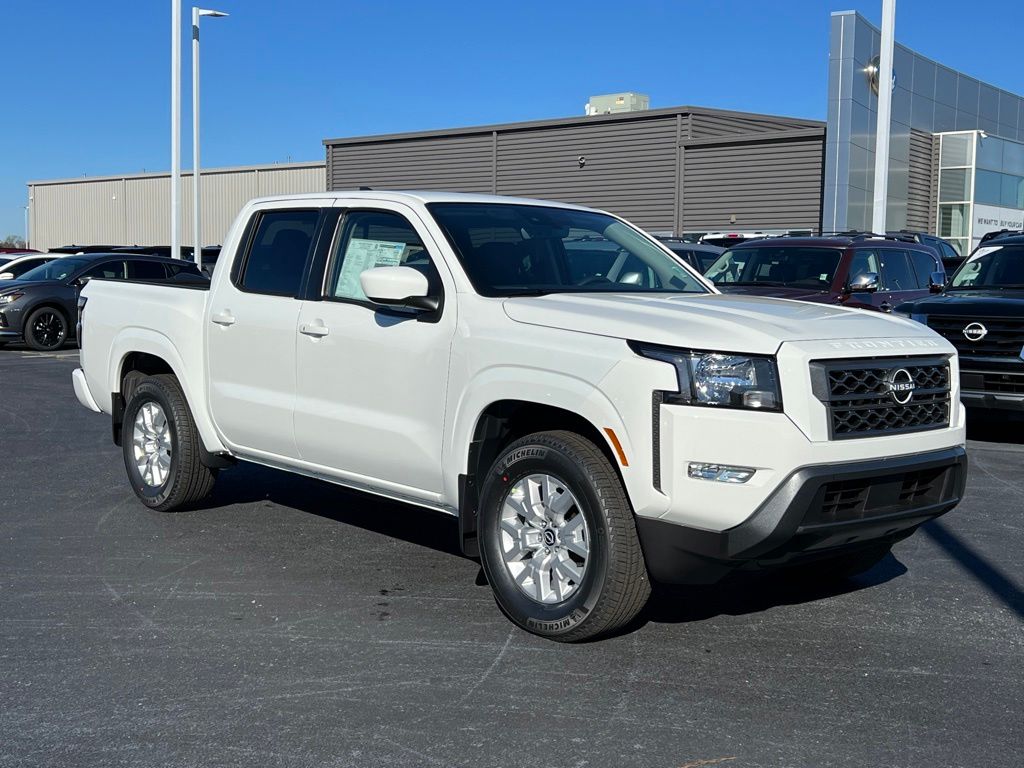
(146,270)
(278,251)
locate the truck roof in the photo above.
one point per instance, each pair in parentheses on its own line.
(419,196)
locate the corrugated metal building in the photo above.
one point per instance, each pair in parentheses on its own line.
(134,209)
(682,169)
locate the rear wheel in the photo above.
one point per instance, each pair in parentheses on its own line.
(46,329)
(161,446)
(557,539)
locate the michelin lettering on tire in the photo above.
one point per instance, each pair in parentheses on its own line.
(529,452)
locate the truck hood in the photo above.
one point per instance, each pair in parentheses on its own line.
(708,321)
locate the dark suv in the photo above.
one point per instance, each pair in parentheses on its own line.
(856,270)
(700,256)
(951,258)
(41,306)
(981,313)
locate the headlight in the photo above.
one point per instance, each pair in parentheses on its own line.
(720,379)
(7,298)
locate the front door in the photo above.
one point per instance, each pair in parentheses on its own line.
(251,325)
(372,381)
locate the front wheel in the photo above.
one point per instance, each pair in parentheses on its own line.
(557,539)
(46,329)
(161,446)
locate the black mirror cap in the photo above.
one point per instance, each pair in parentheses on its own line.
(937,282)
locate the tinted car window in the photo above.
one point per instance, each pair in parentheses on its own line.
(277,256)
(23,266)
(514,250)
(58,269)
(864,262)
(897,274)
(375,239)
(924,265)
(110,270)
(794,266)
(146,270)
(992,267)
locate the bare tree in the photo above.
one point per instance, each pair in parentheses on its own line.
(13,241)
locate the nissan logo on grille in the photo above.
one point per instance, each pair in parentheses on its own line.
(975,332)
(900,384)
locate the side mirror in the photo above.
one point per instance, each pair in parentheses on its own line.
(865,283)
(399,287)
(936,282)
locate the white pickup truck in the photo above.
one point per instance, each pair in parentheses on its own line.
(595,413)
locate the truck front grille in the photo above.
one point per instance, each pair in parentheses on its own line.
(1004,336)
(882,396)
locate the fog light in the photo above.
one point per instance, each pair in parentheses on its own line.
(719,472)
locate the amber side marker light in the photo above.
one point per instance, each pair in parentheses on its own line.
(616,445)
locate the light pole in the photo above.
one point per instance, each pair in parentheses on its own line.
(197,240)
(27,246)
(175,129)
(881,192)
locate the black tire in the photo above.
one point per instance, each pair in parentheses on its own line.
(45,329)
(843,566)
(188,480)
(614,586)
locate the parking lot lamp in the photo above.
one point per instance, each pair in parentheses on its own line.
(196,228)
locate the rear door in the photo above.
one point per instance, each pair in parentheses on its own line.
(251,325)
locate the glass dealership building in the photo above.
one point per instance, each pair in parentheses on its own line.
(956,165)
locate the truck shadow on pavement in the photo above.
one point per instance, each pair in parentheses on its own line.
(247,483)
(737,594)
(744,593)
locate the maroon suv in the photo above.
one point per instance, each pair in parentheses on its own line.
(858,270)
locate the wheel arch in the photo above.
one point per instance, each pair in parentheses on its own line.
(147,352)
(503,421)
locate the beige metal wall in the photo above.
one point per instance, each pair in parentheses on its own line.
(135,210)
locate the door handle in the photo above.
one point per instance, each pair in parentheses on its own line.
(315,330)
(223,318)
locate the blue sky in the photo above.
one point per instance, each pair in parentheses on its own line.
(86,85)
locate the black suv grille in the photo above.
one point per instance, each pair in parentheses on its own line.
(866,398)
(1004,336)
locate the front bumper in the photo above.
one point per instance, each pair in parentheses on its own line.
(814,511)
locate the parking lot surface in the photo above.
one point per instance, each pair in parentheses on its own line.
(294,623)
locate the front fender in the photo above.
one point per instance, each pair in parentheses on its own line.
(557,390)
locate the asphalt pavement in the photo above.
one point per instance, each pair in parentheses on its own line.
(293,623)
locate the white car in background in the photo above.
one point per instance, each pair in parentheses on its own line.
(14,265)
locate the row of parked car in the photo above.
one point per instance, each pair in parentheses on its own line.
(980,312)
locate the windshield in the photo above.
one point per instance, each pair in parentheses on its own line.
(520,250)
(789,266)
(58,269)
(993,266)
